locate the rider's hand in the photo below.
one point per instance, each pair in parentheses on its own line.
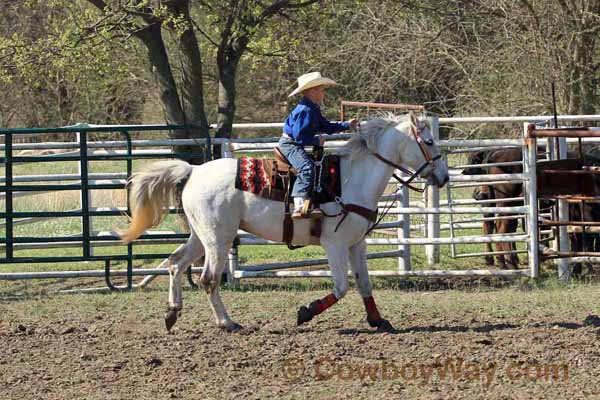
(353,124)
(321,141)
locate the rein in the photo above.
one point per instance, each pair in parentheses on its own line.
(413,175)
(426,154)
(428,161)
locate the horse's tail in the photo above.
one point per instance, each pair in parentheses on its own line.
(151,191)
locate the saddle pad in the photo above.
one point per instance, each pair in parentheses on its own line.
(265,177)
(261,177)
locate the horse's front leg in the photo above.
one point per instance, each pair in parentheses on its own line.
(488,229)
(358,262)
(338,263)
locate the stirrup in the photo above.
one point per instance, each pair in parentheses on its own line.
(306,211)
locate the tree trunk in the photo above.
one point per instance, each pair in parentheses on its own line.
(192,89)
(152,38)
(228,58)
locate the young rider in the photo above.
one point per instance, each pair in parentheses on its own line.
(300,129)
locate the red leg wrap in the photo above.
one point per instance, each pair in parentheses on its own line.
(372,311)
(318,306)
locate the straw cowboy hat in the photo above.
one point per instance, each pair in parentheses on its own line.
(311,80)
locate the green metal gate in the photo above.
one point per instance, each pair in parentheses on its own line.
(84,186)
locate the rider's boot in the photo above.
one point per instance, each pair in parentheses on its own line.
(302,209)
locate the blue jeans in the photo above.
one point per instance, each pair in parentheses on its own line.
(303,164)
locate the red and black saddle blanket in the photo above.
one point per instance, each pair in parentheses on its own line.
(268,177)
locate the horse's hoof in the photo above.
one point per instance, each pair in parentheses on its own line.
(304,315)
(374,323)
(382,325)
(385,327)
(171,318)
(233,327)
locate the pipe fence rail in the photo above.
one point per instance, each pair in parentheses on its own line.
(429,221)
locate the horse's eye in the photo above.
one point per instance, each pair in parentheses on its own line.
(428,142)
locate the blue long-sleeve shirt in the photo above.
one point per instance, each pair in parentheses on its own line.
(305,121)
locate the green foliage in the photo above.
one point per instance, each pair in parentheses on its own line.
(64,61)
(53,75)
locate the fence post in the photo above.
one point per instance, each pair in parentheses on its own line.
(552,154)
(564,271)
(529,167)
(450,216)
(85,197)
(424,216)
(433,200)
(404,230)
(226,151)
(9,194)
(233,265)
(233,260)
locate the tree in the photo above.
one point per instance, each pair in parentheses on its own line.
(466,57)
(566,32)
(237,23)
(145,21)
(47,77)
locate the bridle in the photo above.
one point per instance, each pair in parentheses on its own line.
(429,160)
(372,215)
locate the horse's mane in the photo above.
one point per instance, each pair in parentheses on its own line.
(369,133)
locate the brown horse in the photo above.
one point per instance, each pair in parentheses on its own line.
(590,241)
(499,192)
(586,211)
(577,211)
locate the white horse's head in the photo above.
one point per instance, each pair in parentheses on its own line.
(406,141)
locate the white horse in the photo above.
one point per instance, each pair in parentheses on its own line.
(215,210)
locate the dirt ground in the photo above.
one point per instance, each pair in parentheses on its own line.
(493,344)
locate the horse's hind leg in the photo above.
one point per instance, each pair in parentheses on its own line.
(179,262)
(214,265)
(500,246)
(149,278)
(358,262)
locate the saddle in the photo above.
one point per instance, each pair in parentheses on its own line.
(273,178)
